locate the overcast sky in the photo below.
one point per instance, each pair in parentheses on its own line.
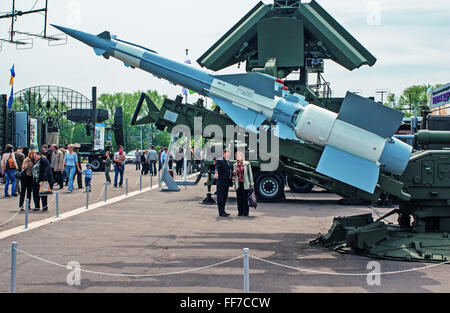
(408,37)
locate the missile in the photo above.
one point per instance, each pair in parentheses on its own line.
(358,141)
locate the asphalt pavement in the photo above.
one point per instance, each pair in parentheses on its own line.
(165,242)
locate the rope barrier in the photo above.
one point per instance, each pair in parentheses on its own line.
(130,275)
(9,220)
(51,201)
(228,261)
(347,274)
(101,194)
(6,250)
(48,203)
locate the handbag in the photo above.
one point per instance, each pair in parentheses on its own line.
(18,174)
(44,189)
(252,198)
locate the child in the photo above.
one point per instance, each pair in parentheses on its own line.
(87,177)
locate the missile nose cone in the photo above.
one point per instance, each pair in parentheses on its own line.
(69,31)
(101,43)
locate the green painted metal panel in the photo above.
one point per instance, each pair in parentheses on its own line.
(343,47)
(281,38)
(223,53)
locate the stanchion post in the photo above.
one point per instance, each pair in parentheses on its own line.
(151,180)
(126,186)
(246,271)
(106,192)
(27,210)
(57,204)
(13,266)
(87,199)
(159,178)
(140,183)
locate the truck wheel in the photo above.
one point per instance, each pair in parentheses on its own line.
(299,185)
(269,187)
(96,164)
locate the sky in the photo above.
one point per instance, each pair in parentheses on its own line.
(406,36)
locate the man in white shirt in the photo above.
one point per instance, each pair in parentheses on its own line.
(119,166)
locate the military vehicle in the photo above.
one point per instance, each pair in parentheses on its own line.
(419,185)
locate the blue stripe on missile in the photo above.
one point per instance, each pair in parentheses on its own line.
(349,169)
(242,117)
(395,157)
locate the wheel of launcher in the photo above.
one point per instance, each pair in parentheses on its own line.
(269,187)
(299,185)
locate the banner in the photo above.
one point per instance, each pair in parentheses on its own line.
(34,144)
(99,136)
(439,100)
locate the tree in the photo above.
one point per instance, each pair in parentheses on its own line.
(411,98)
(128,102)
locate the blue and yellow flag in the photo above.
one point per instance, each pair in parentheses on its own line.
(11,83)
(13,74)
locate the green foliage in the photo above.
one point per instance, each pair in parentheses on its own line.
(411,97)
(128,103)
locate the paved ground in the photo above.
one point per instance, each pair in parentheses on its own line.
(67,201)
(157,232)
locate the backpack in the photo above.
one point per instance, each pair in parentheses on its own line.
(10,165)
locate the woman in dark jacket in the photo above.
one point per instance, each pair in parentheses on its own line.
(108,162)
(144,163)
(27,179)
(41,170)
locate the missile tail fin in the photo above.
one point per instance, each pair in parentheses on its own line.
(378,118)
(350,169)
(242,117)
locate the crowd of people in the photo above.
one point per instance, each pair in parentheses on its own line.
(146,160)
(238,175)
(29,174)
(26,176)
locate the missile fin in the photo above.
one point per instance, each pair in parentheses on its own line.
(99,51)
(261,84)
(286,132)
(240,116)
(349,169)
(105,35)
(370,115)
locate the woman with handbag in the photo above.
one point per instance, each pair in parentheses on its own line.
(26,179)
(41,171)
(243,181)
